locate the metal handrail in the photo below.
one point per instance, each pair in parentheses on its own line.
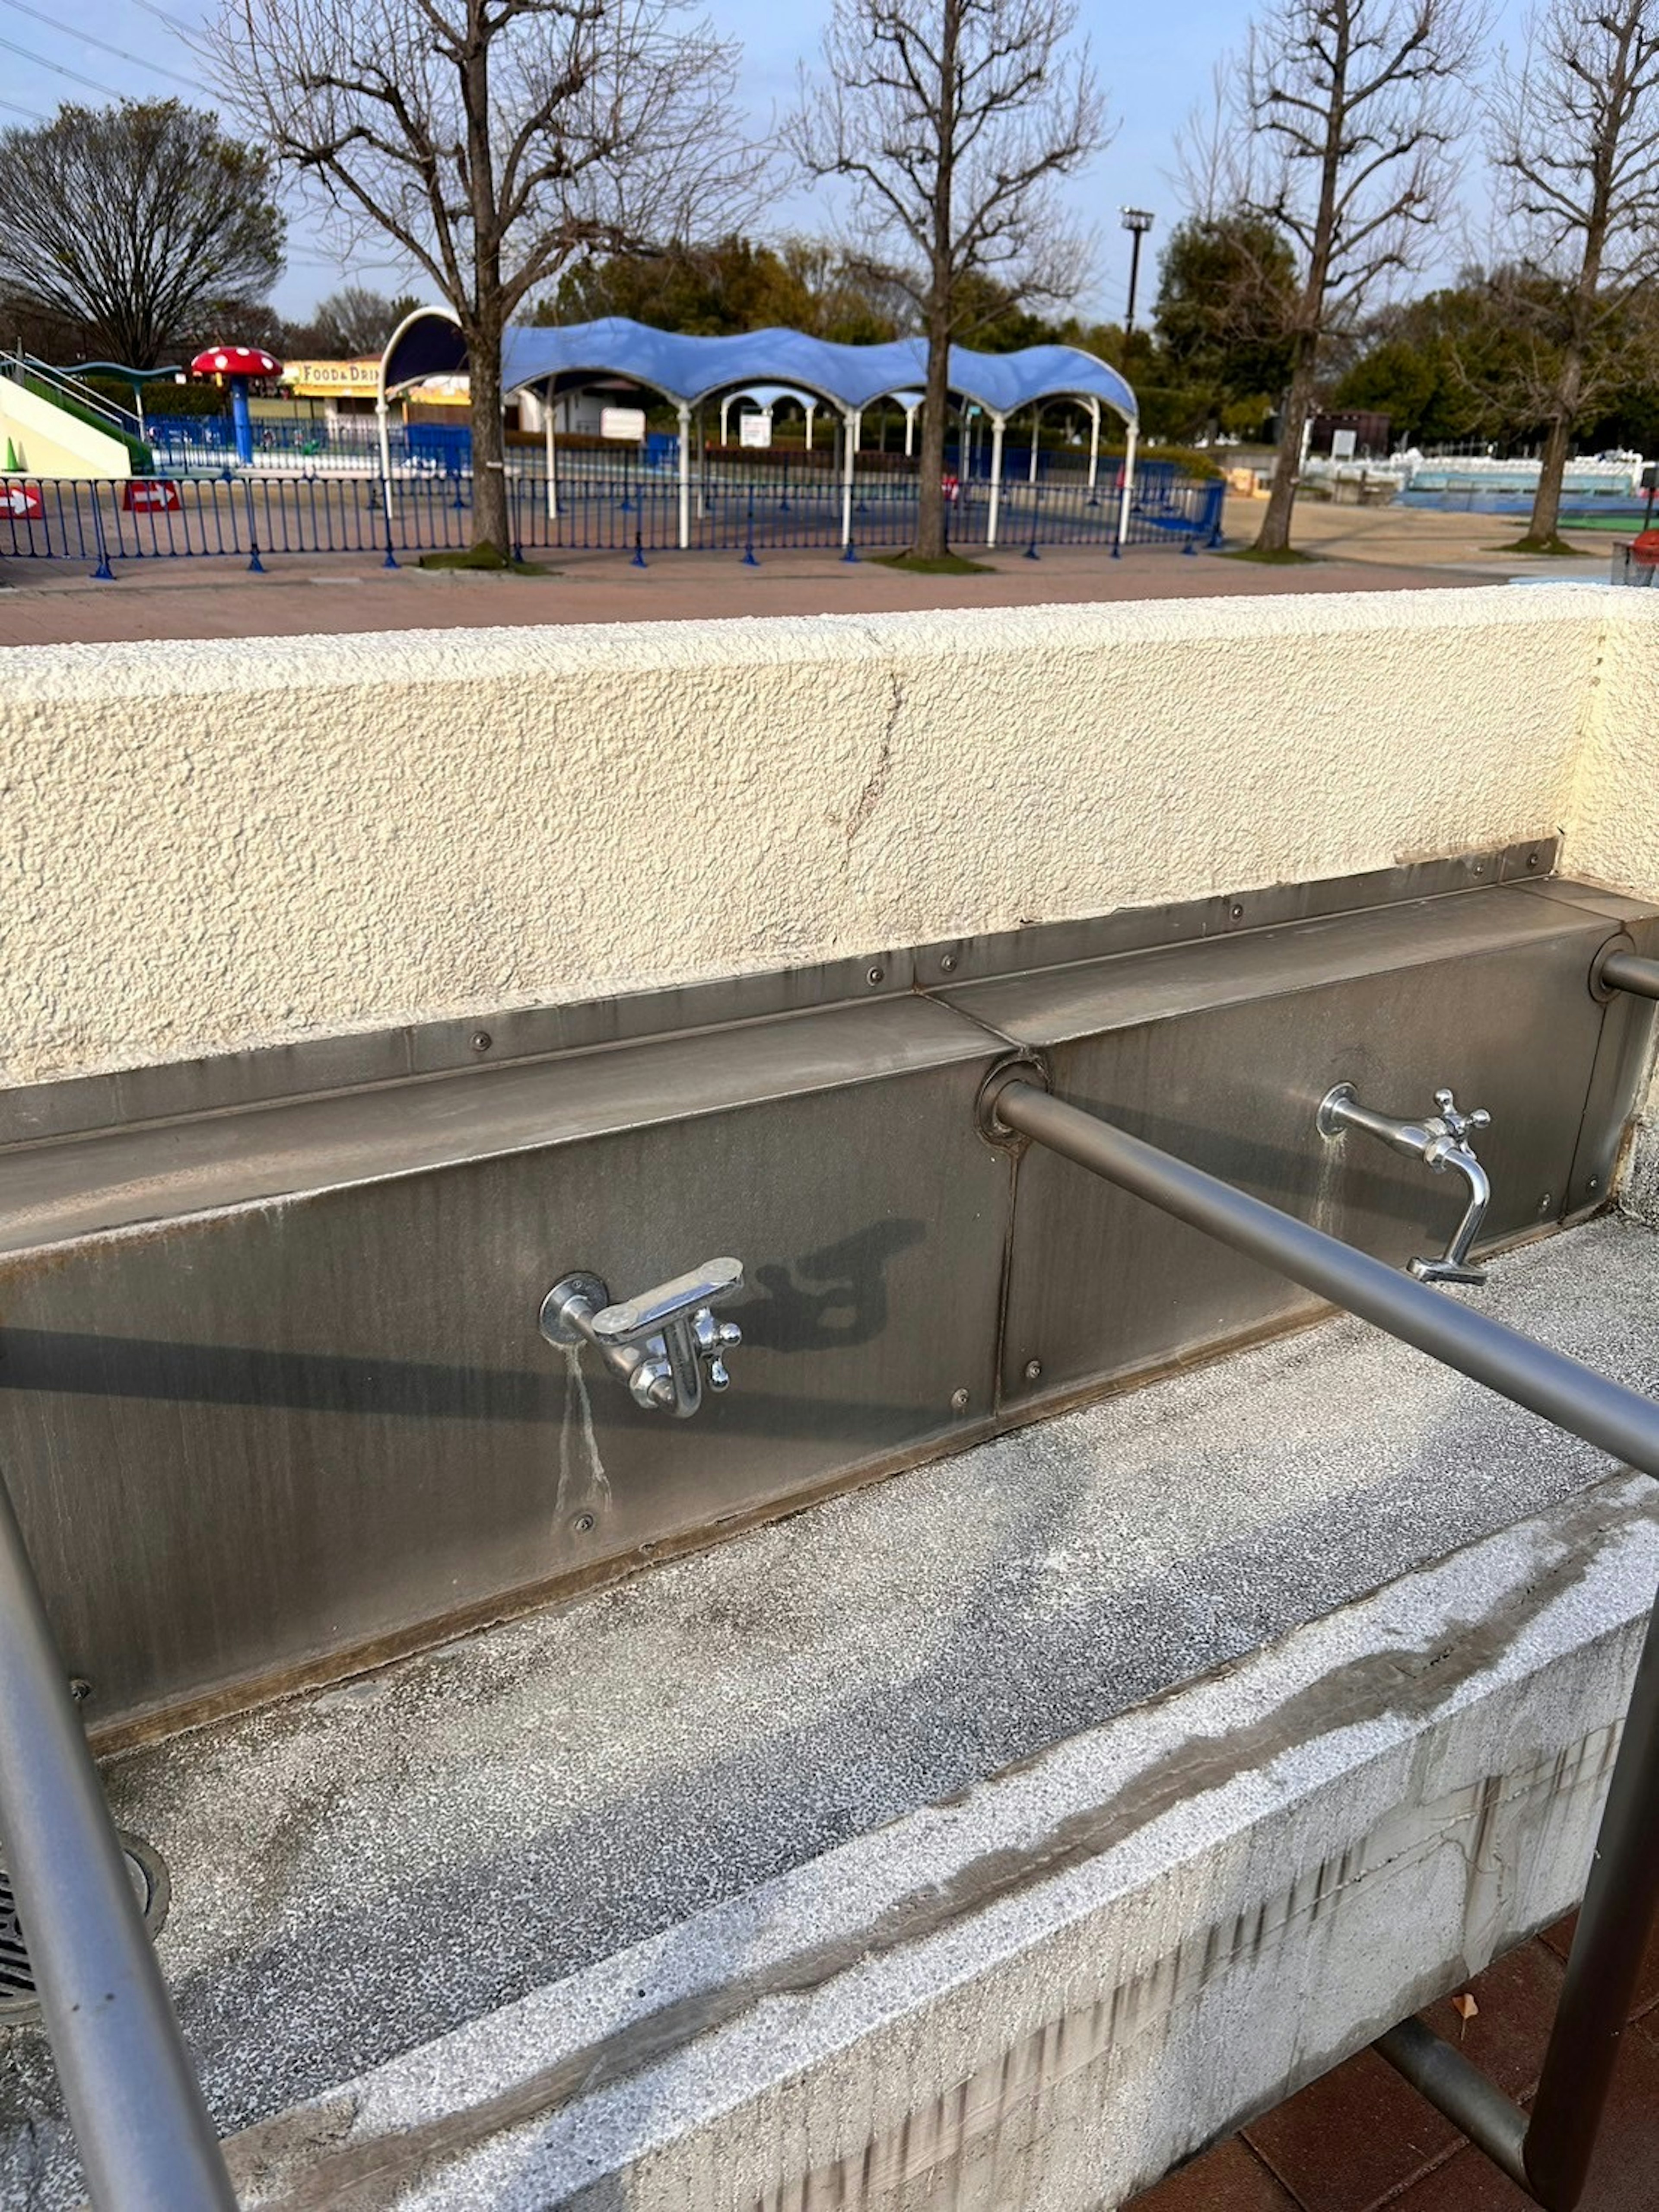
(142,2125)
(1619,971)
(1547,2154)
(25,366)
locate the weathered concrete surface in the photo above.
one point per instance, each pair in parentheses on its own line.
(1042,1995)
(359,1872)
(226,844)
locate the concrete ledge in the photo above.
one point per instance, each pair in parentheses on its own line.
(228,844)
(1046,1993)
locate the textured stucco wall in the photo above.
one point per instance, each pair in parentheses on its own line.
(1612,814)
(224,844)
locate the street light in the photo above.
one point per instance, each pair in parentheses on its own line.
(1137,221)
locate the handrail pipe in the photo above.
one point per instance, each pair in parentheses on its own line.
(146,2139)
(1549,2153)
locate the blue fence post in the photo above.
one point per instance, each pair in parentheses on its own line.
(256,566)
(749,560)
(639,559)
(1031,553)
(391,560)
(103,574)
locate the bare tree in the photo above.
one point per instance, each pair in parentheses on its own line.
(495,142)
(1342,120)
(1576,143)
(128,222)
(355,321)
(953,119)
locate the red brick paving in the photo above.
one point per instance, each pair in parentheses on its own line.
(1359,2138)
(300,595)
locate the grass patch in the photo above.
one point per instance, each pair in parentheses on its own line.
(1551,549)
(1282,556)
(486,560)
(942,564)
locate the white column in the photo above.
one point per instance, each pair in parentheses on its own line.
(1036,424)
(910,431)
(1128,484)
(386,435)
(725,403)
(850,423)
(812,410)
(686,479)
(996,480)
(1094,444)
(550,412)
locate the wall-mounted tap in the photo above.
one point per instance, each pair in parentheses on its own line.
(1440,1140)
(664,1345)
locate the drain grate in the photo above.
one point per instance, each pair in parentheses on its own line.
(19,2000)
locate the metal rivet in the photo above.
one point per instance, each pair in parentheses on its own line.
(1479,867)
(482,1040)
(583,1524)
(948,962)
(1034,1371)
(1594,1183)
(80,1688)
(875,975)
(959,1400)
(1546,1201)
(1532,859)
(1239,914)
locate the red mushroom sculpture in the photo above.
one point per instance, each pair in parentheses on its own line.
(237,363)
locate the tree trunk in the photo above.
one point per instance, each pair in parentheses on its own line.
(490,525)
(1547,501)
(1274,535)
(930,543)
(484,326)
(1543,528)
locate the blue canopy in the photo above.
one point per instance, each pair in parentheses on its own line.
(687,370)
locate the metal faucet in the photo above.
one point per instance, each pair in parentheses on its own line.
(665,1344)
(1441,1141)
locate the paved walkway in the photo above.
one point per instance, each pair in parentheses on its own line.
(1361,2138)
(1361,549)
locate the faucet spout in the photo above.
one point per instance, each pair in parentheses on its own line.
(1441,1141)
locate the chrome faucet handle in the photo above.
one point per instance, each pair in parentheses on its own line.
(1440,1142)
(1460,1127)
(666,1343)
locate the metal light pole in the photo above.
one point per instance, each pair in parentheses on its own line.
(1137,222)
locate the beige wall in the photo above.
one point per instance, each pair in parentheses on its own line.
(223,844)
(46,442)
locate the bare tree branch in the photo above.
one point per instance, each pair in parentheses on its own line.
(953,120)
(133,221)
(1575,139)
(1337,129)
(496,142)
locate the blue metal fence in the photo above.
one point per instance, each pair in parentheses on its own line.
(622,505)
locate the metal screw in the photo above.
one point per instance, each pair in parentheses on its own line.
(1546,1201)
(1594,1183)
(1532,859)
(948,962)
(1033,1370)
(1239,914)
(1479,867)
(80,1688)
(959,1401)
(583,1524)
(482,1040)
(875,975)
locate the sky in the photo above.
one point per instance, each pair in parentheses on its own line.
(1155,63)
